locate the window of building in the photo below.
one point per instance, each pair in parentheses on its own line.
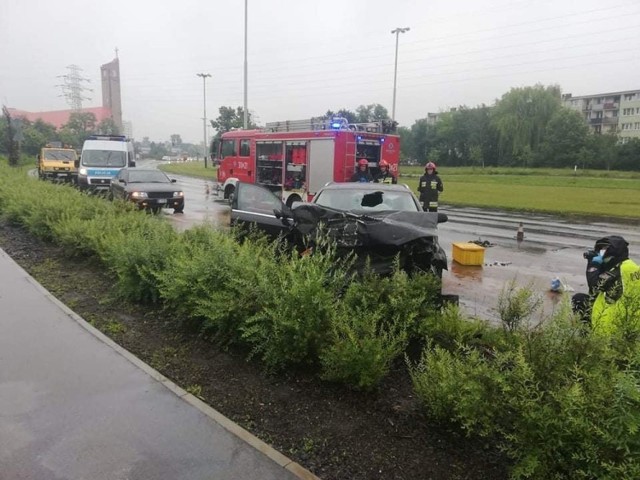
(245,148)
(629,96)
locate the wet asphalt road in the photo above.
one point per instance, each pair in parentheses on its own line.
(552,246)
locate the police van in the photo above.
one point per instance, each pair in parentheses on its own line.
(101,159)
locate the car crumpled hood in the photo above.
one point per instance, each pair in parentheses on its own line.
(355,230)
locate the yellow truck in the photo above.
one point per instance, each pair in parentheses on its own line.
(56,162)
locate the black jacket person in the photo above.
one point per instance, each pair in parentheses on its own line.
(430,187)
(384,175)
(362,174)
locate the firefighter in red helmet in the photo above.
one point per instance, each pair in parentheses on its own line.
(430,187)
(362,174)
(384,175)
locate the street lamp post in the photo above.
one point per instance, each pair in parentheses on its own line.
(204,118)
(397,33)
(246,68)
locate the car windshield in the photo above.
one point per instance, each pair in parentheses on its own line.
(367,200)
(147,176)
(60,155)
(103,158)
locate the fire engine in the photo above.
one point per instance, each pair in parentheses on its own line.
(295,158)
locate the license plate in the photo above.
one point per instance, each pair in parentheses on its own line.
(162,200)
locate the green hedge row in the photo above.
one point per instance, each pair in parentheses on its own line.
(562,403)
(286,310)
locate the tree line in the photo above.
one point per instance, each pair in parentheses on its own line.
(32,136)
(526,127)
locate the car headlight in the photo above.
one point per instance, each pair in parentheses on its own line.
(178,194)
(83,171)
(139,195)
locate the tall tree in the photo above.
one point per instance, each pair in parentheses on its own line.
(565,140)
(80,126)
(371,113)
(107,127)
(406,144)
(176,140)
(423,141)
(628,157)
(603,149)
(521,117)
(11,146)
(230,118)
(347,114)
(157,150)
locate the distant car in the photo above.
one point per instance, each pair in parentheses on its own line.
(378,222)
(149,188)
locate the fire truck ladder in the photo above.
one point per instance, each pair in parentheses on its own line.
(336,123)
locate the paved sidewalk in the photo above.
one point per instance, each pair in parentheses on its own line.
(76,406)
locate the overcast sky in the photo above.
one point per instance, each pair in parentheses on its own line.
(309,56)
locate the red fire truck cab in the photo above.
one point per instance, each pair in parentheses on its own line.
(296,158)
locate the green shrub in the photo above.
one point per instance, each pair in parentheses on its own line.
(460,387)
(137,248)
(373,324)
(299,295)
(211,282)
(449,328)
(516,305)
(561,401)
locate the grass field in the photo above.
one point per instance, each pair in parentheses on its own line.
(558,191)
(194,169)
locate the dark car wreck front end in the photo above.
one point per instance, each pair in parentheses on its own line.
(378,239)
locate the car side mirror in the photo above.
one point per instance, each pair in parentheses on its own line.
(122,180)
(173,180)
(76,163)
(38,156)
(442,217)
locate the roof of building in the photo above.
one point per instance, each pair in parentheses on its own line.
(58,118)
(568,96)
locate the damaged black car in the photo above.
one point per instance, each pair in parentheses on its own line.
(381,224)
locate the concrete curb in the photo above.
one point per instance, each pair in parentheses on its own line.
(235,429)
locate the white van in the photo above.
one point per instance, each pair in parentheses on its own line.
(102,157)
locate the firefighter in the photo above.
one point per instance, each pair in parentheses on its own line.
(362,175)
(614,286)
(429,188)
(384,175)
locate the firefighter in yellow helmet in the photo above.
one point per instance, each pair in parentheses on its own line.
(614,287)
(384,175)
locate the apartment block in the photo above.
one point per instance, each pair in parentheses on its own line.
(617,112)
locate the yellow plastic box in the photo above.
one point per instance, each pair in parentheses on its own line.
(468,254)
